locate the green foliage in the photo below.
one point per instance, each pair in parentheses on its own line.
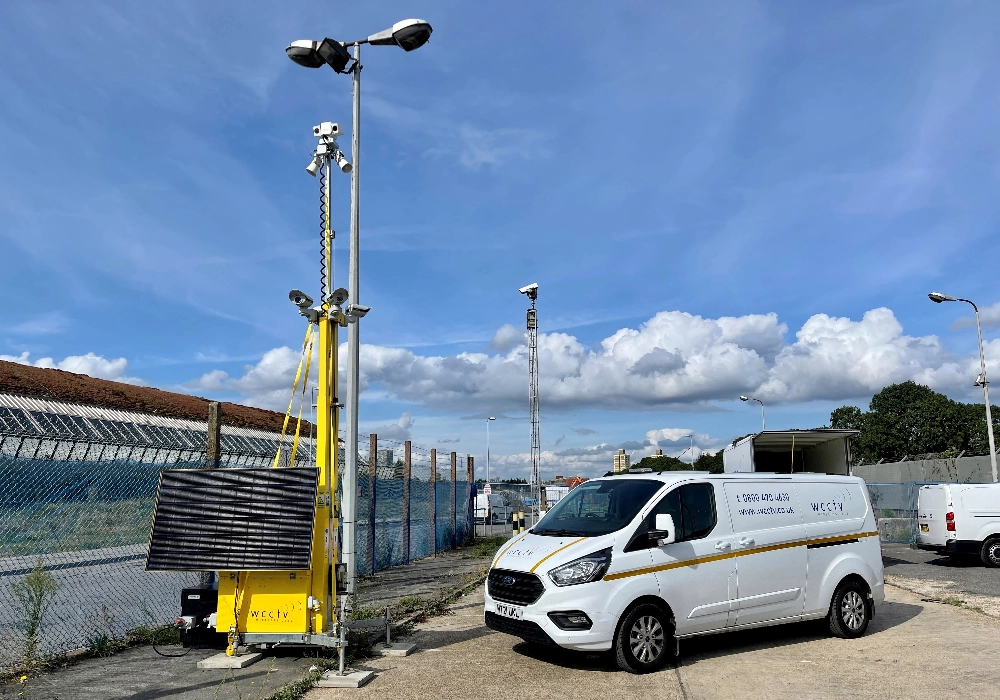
(911,419)
(709,463)
(486,547)
(663,463)
(34,593)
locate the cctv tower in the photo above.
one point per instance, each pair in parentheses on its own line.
(536,451)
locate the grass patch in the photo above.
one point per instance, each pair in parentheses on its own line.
(487,547)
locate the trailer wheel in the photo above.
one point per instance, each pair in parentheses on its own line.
(990,553)
(645,639)
(850,612)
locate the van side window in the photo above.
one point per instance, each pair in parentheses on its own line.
(692,506)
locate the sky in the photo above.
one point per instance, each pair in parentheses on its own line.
(715,199)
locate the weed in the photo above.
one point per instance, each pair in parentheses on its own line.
(487,547)
(34,593)
(952,600)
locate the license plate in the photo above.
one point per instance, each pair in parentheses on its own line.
(924,527)
(512,611)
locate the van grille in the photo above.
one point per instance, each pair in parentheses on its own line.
(515,587)
(525,629)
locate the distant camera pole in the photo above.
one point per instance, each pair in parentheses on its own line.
(491,418)
(750,398)
(408,35)
(937,298)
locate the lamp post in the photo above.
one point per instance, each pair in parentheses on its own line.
(408,35)
(750,398)
(491,418)
(937,298)
(690,435)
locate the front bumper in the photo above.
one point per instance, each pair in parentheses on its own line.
(591,598)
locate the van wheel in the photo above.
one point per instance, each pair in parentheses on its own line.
(645,640)
(849,610)
(991,552)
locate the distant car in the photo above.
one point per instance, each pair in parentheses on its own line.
(493,508)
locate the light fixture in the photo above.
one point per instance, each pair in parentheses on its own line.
(938,297)
(408,35)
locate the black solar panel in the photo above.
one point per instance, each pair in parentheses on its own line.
(233,520)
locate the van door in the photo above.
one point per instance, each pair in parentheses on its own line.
(697,584)
(833,512)
(772,569)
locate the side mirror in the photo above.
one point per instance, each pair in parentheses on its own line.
(663,532)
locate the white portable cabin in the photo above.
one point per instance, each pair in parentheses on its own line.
(822,451)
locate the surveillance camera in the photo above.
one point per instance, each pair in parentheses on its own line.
(357,310)
(338,296)
(529,289)
(314,167)
(342,162)
(331,129)
(300,299)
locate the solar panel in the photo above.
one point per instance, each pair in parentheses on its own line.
(233,520)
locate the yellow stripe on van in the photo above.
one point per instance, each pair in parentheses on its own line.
(553,553)
(732,555)
(504,550)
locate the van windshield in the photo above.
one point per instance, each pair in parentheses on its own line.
(597,508)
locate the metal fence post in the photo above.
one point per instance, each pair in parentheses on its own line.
(433,504)
(406,498)
(470,514)
(454,474)
(372,466)
(213,450)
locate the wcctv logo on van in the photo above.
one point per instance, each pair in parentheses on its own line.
(828,507)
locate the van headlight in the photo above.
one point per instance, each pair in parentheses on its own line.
(582,570)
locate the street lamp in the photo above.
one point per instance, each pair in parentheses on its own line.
(491,418)
(750,398)
(408,35)
(690,435)
(937,298)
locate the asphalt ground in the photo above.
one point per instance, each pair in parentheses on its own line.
(967,575)
(901,656)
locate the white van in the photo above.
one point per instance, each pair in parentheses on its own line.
(492,508)
(632,562)
(960,520)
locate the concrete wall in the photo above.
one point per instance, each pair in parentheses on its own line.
(965,470)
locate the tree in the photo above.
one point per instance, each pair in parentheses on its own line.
(911,419)
(660,463)
(709,463)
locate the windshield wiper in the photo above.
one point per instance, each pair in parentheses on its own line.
(559,533)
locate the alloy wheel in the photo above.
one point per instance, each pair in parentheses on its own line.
(647,639)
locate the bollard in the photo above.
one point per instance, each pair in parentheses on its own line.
(520,521)
(513,524)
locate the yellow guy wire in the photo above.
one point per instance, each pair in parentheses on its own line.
(302,401)
(295,386)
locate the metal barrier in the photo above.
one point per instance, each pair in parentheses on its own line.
(895,507)
(73,536)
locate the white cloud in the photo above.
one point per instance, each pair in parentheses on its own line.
(90,364)
(675,360)
(400,430)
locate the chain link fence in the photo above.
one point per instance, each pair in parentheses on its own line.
(76,507)
(895,507)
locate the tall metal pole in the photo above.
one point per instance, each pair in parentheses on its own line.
(986,394)
(488,450)
(350,503)
(536,451)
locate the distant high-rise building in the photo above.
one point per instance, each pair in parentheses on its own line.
(622,461)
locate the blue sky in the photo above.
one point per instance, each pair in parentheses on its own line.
(711,198)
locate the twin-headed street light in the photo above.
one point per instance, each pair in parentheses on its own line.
(937,298)
(408,35)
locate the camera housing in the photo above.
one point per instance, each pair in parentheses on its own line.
(357,310)
(329,129)
(338,296)
(300,299)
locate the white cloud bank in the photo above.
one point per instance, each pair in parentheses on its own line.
(673,361)
(90,364)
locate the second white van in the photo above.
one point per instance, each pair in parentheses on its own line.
(960,520)
(633,563)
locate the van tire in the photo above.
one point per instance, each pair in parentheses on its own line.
(990,553)
(850,611)
(645,639)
